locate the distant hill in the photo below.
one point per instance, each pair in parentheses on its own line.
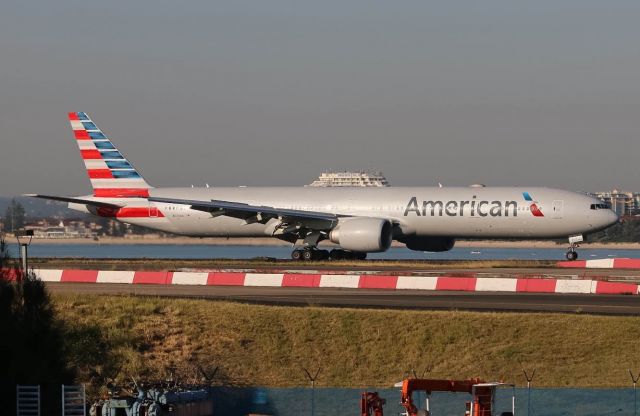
(41,208)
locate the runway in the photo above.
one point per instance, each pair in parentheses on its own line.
(395,299)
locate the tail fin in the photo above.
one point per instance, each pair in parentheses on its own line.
(111,175)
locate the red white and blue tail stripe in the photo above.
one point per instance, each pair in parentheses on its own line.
(111,175)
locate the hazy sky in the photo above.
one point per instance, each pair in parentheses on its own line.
(272,93)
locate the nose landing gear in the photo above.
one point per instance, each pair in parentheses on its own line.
(571,254)
(573,244)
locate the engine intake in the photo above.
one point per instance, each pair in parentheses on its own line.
(370,235)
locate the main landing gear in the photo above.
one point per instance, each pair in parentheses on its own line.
(573,244)
(312,253)
(308,254)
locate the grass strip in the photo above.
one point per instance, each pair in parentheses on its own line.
(148,337)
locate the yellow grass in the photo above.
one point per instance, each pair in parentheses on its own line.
(268,345)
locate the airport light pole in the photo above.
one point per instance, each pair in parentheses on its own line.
(634,380)
(529,378)
(312,379)
(24,238)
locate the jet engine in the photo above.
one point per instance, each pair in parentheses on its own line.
(362,234)
(433,244)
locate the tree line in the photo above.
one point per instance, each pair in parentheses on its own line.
(36,347)
(14,216)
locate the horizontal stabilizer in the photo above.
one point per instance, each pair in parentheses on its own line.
(98,204)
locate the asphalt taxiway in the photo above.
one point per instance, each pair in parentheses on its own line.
(365,298)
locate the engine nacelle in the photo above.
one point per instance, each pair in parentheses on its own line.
(433,244)
(367,235)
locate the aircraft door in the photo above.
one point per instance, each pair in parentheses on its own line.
(557,208)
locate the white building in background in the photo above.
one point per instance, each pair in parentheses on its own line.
(345,178)
(622,202)
(74,229)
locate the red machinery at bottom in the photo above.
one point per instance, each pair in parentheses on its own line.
(371,404)
(481,404)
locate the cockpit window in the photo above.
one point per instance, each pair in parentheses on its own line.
(600,206)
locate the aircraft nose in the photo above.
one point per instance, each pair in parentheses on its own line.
(611,218)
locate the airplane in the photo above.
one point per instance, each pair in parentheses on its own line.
(358,220)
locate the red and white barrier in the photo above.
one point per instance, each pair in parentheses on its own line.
(108,276)
(188,278)
(498,284)
(346,281)
(617,263)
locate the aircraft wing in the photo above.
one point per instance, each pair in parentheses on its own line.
(257,213)
(98,204)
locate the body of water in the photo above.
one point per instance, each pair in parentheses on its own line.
(334,401)
(200,251)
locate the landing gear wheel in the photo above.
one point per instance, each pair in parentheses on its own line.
(308,255)
(323,254)
(296,255)
(573,245)
(360,256)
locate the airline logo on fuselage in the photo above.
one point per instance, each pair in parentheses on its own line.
(535,210)
(471,208)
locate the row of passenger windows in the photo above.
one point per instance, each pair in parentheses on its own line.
(600,206)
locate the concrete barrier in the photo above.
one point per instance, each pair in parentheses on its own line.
(466,284)
(378,282)
(573,286)
(616,263)
(417,282)
(263,279)
(153,278)
(615,288)
(188,278)
(497,284)
(49,275)
(300,280)
(340,280)
(536,285)
(109,276)
(348,281)
(80,276)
